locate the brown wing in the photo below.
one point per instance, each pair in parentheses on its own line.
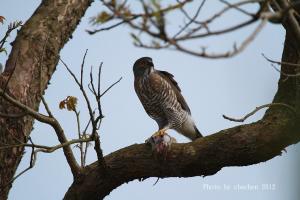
(170,78)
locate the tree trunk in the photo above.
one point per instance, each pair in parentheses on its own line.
(30,65)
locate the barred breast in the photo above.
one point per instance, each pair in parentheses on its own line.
(160,101)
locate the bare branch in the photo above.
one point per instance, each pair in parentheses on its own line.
(87,143)
(26,109)
(155,18)
(46,107)
(39,148)
(257,109)
(280,63)
(285,74)
(48,149)
(82,66)
(236,50)
(283,63)
(31,165)
(11,27)
(81,89)
(225,10)
(91,32)
(236,7)
(112,85)
(94,120)
(79,137)
(191,19)
(52,122)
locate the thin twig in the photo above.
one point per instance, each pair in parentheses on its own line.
(126,19)
(112,85)
(82,66)
(191,19)
(236,50)
(158,31)
(53,123)
(46,107)
(99,94)
(11,27)
(81,89)
(285,74)
(237,8)
(48,149)
(280,63)
(86,144)
(31,165)
(79,137)
(91,32)
(257,109)
(93,120)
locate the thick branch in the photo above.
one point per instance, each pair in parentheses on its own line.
(239,146)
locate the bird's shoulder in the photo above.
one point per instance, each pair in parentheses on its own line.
(169,78)
(175,87)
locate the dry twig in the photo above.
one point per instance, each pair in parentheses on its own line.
(242,119)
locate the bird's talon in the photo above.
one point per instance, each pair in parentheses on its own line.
(160,142)
(159,133)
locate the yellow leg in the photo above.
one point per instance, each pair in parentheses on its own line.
(160,132)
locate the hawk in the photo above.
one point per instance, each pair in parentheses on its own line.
(161,98)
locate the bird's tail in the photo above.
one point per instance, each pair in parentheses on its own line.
(197,133)
(190,130)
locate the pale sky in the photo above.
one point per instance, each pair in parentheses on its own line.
(211,87)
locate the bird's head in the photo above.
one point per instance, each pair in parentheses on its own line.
(143,66)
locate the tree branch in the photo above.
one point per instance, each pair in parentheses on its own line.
(258,109)
(12,26)
(238,146)
(55,125)
(48,149)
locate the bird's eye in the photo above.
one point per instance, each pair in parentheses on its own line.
(149,62)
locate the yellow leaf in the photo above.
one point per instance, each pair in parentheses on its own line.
(127,13)
(103,17)
(2,19)
(62,104)
(71,103)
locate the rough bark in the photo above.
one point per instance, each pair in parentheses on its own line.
(32,62)
(238,146)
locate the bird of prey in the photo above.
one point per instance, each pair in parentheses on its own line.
(161,98)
